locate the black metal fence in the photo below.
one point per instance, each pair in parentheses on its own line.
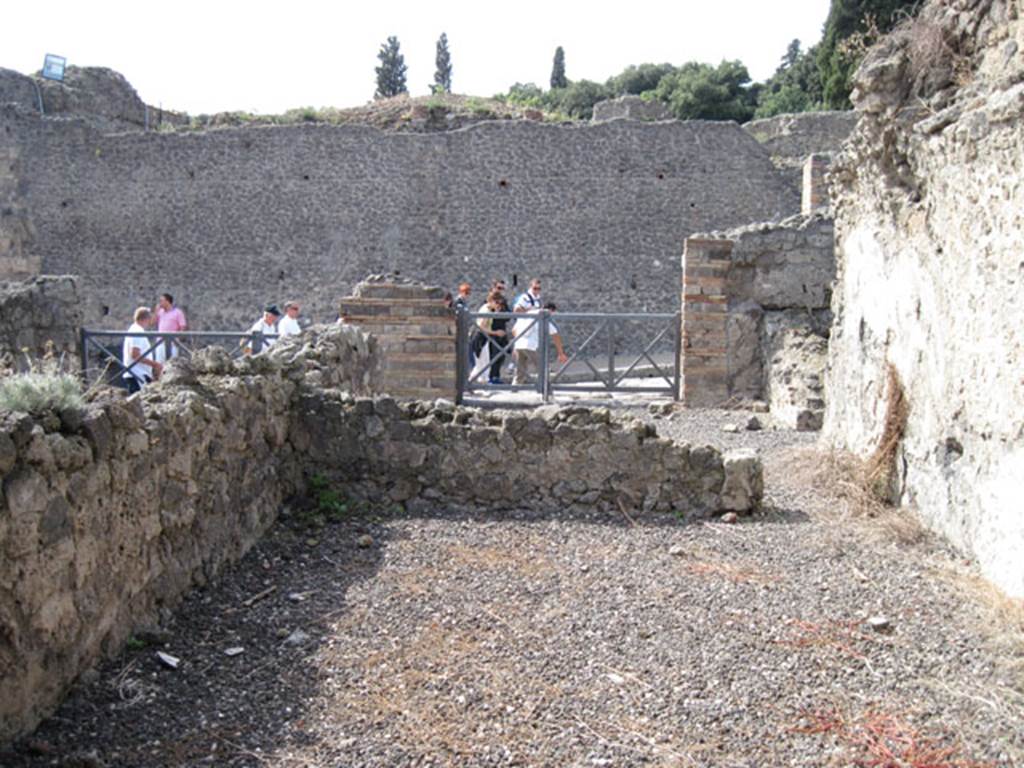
(101,352)
(636,353)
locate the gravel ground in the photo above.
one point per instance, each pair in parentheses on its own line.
(474,639)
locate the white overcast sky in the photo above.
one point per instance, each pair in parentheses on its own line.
(266,57)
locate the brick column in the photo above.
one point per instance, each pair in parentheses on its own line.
(416,334)
(705,315)
(815,189)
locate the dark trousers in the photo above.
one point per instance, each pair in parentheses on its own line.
(498,345)
(476,345)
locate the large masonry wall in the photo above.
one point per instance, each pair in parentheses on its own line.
(107,517)
(930,234)
(37,312)
(229,219)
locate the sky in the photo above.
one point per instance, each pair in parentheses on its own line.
(266,57)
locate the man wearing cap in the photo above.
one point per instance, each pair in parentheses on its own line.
(289,324)
(266,325)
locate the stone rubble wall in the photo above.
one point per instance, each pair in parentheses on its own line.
(631,108)
(227,220)
(38,311)
(755,317)
(930,228)
(16,230)
(108,517)
(789,139)
(102,96)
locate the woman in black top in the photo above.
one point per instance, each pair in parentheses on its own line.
(497,334)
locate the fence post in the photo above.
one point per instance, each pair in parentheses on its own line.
(611,353)
(461,356)
(542,355)
(257,342)
(677,386)
(83,351)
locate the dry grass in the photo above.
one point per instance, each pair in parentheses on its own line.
(842,636)
(881,473)
(885,740)
(842,483)
(420,690)
(527,563)
(934,55)
(1002,621)
(738,573)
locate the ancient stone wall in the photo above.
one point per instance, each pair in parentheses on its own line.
(108,517)
(16,231)
(789,139)
(228,219)
(102,96)
(929,204)
(38,311)
(755,300)
(631,108)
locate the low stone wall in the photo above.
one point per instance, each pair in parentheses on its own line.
(108,517)
(549,459)
(749,297)
(37,311)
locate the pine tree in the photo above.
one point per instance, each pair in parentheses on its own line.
(443,67)
(558,70)
(391,72)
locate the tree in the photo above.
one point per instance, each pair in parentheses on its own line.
(578,98)
(443,67)
(637,80)
(795,86)
(702,92)
(851,27)
(558,70)
(391,72)
(526,95)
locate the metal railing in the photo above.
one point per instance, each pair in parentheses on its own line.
(163,346)
(603,361)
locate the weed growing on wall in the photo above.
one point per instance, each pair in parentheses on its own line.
(329,503)
(46,386)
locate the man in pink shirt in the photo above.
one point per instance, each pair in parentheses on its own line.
(169,318)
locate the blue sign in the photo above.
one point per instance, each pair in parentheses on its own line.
(53,67)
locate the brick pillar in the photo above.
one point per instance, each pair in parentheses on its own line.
(705,315)
(415,332)
(815,190)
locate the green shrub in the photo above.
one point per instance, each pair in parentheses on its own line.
(41,391)
(330,504)
(44,387)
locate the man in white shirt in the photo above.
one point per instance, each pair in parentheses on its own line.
(289,324)
(266,325)
(527,333)
(138,353)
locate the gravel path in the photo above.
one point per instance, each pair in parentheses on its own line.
(469,639)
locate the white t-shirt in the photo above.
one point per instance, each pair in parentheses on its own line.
(288,326)
(530,339)
(140,371)
(265,329)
